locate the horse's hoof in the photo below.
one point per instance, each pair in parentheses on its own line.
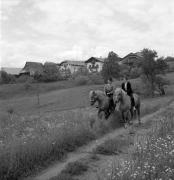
(125,126)
(131,122)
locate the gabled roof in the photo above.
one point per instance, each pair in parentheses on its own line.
(36,66)
(49,63)
(13,71)
(74,63)
(95,59)
(132,56)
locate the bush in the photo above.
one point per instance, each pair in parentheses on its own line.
(135,72)
(24,79)
(51,73)
(83,71)
(82,80)
(96,78)
(7,78)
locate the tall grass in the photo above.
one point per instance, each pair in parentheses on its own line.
(153,157)
(29,144)
(22,155)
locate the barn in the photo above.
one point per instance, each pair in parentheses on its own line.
(131,58)
(31,68)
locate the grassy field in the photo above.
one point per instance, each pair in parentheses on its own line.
(32,135)
(152,157)
(56,100)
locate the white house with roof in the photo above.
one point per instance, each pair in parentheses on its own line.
(69,67)
(94,64)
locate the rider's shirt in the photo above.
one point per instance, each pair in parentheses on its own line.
(109,89)
(125,86)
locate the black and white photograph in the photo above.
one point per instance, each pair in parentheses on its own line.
(87,90)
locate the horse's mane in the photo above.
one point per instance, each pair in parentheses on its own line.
(100,93)
(119,89)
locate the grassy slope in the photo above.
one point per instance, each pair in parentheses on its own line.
(43,150)
(62,99)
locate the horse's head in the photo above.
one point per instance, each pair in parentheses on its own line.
(118,95)
(93,97)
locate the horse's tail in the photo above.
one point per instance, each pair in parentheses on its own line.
(137,99)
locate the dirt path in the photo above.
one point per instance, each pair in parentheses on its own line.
(84,151)
(98,169)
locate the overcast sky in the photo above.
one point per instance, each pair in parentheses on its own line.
(54,30)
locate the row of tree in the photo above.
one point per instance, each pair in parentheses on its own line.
(149,67)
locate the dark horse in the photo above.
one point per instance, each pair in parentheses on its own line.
(103,103)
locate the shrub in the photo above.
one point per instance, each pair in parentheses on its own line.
(51,73)
(82,80)
(96,78)
(83,71)
(24,78)
(7,78)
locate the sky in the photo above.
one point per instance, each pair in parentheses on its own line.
(56,30)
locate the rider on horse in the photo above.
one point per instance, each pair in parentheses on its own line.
(126,86)
(109,91)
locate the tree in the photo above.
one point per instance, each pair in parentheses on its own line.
(7,78)
(151,67)
(51,73)
(111,67)
(160,84)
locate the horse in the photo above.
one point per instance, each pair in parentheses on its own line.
(103,103)
(123,104)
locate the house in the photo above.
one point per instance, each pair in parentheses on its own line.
(170,62)
(94,64)
(31,68)
(131,58)
(71,66)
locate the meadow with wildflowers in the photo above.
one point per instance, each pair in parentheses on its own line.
(152,157)
(32,135)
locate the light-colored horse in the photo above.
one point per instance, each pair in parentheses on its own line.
(103,103)
(123,104)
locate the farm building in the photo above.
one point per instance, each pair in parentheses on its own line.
(12,71)
(71,66)
(94,64)
(31,68)
(170,61)
(131,58)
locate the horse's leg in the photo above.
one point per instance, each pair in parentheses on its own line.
(126,120)
(132,113)
(99,111)
(130,117)
(122,115)
(107,114)
(138,113)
